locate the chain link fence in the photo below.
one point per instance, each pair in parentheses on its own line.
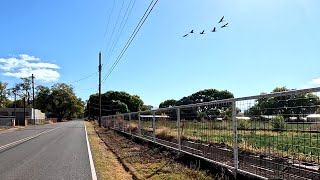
(267,136)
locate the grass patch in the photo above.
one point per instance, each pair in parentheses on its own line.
(106,163)
(146,163)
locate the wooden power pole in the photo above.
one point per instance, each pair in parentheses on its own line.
(100,69)
(34,111)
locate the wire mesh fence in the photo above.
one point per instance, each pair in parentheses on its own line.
(268,136)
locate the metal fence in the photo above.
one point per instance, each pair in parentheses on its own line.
(268,136)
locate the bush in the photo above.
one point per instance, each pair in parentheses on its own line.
(278,123)
(243,124)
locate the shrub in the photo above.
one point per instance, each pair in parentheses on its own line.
(243,124)
(278,123)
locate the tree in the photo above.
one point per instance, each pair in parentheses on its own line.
(114,102)
(42,96)
(205,112)
(286,106)
(3,94)
(168,103)
(63,103)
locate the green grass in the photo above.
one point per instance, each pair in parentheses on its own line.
(301,141)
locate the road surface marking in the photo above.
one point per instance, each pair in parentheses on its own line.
(93,170)
(7,146)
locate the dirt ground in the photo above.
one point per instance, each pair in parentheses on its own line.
(142,162)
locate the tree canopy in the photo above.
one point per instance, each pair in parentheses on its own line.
(58,101)
(293,105)
(204,112)
(115,102)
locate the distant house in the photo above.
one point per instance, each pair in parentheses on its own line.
(30,115)
(313,118)
(243,118)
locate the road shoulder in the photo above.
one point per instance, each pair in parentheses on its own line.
(106,163)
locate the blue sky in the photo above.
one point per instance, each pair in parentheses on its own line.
(267,44)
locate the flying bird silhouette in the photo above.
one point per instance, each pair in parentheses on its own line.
(191,31)
(202,32)
(226,25)
(214,29)
(186,35)
(221,20)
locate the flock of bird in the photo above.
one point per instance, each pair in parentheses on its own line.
(213,30)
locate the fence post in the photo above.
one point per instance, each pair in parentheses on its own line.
(139,124)
(235,138)
(130,123)
(114,122)
(179,128)
(154,126)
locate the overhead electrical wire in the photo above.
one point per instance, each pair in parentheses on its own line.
(86,77)
(135,32)
(110,15)
(120,30)
(115,24)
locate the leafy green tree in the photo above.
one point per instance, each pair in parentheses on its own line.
(168,103)
(293,105)
(114,102)
(63,103)
(42,96)
(206,95)
(3,94)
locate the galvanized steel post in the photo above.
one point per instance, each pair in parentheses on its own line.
(154,126)
(139,124)
(235,137)
(179,128)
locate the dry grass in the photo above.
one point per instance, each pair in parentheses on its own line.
(106,163)
(145,163)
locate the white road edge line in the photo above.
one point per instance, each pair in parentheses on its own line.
(93,169)
(24,139)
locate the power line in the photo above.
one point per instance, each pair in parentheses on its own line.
(110,15)
(122,25)
(115,24)
(140,24)
(86,77)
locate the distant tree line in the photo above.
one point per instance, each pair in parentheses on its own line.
(203,112)
(286,106)
(113,102)
(58,101)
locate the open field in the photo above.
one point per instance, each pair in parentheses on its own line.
(297,141)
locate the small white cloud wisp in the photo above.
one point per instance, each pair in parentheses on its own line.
(24,65)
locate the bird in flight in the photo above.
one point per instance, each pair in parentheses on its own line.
(186,35)
(191,31)
(226,25)
(221,20)
(202,32)
(214,29)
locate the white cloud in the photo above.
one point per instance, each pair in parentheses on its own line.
(28,58)
(21,66)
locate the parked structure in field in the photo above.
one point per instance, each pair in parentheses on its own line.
(313,118)
(32,116)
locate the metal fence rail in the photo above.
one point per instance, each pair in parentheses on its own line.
(268,136)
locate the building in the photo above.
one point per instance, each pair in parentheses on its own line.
(31,115)
(313,118)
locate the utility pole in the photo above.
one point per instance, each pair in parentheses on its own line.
(15,105)
(34,111)
(24,110)
(89,109)
(100,68)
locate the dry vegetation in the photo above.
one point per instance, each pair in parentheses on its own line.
(145,163)
(106,163)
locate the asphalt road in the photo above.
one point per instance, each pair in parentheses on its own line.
(59,154)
